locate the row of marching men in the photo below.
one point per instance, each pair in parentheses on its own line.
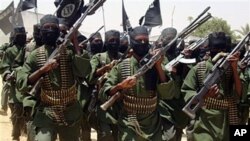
(67,90)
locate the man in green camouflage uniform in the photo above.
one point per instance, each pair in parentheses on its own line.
(138,118)
(102,63)
(86,96)
(59,111)
(8,67)
(29,102)
(212,122)
(5,90)
(170,107)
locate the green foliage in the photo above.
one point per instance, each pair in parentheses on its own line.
(214,25)
(244,30)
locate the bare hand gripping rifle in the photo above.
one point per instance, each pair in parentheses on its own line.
(92,6)
(213,77)
(152,60)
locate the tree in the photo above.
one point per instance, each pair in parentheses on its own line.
(244,30)
(214,25)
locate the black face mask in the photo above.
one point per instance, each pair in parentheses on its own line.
(49,36)
(140,49)
(96,47)
(112,48)
(203,51)
(38,40)
(123,48)
(20,40)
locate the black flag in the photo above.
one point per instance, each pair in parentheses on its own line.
(69,10)
(5,19)
(125,21)
(153,15)
(17,19)
(28,4)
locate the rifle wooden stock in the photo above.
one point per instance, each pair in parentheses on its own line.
(111,101)
(213,77)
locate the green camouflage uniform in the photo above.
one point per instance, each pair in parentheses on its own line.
(5,90)
(106,124)
(170,106)
(210,123)
(57,85)
(9,64)
(145,123)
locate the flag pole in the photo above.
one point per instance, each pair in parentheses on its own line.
(36,15)
(103,19)
(172,17)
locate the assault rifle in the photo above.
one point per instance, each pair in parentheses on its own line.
(186,31)
(93,5)
(213,77)
(180,58)
(150,61)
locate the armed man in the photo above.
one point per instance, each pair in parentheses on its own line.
(95,44)
(5,89)
(101,64)
(58,111)
(212,121)
(138,117)
(86,96)
(170,106)
(8,67)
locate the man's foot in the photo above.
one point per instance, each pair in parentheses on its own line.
(3,112)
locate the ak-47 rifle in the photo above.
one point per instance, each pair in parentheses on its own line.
(152,60)
(186,31)
(181,57)
(213,77)
(92,6)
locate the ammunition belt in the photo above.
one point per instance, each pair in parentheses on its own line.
(126,72)
(139,105)
(60,97)
(201,69)
(229,103)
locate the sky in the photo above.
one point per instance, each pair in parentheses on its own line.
(235,12)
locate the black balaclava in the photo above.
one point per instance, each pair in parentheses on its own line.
(217,42)
(112,42)
(37,34)
(19,36)
(123,43)
(139,48)
(49,36)
(96,47)
(167,35)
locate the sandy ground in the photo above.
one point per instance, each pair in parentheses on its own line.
(6,127)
